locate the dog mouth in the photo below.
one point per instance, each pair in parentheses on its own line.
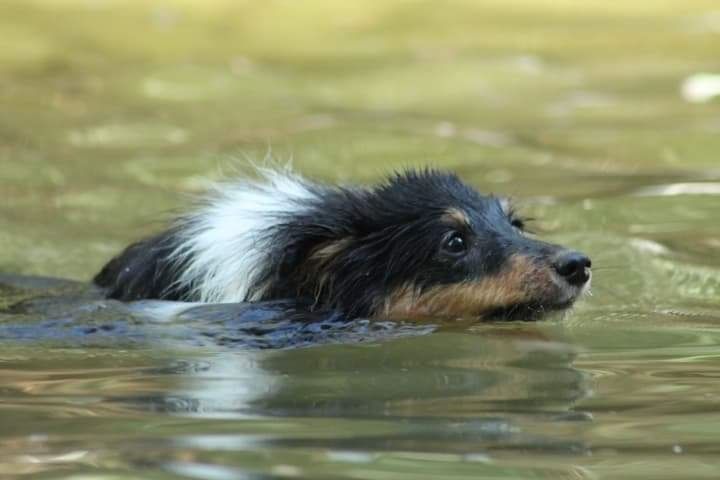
(528,311)
(473,302)
(527,290)
(562,299)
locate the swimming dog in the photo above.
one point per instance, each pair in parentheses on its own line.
(419,244)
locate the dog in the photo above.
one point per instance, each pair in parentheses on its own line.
(420,244)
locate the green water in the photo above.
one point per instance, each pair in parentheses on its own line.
(113,111)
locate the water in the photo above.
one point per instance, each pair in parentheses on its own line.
(598,117)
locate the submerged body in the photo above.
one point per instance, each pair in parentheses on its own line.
(61,313)
(420,244)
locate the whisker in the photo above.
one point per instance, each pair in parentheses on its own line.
(604,289)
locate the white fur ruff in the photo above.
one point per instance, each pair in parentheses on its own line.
(224,244)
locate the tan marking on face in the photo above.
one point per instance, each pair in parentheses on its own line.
(457,217)
(521,281)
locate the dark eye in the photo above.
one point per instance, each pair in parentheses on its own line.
(517,223)
(455,244)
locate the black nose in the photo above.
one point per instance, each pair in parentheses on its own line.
(573,267)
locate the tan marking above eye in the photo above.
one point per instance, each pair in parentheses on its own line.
(521,281)
(457,217)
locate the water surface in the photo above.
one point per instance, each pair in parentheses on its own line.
(589,113)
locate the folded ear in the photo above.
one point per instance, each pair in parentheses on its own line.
(316,271)
(302,251)
(343,273)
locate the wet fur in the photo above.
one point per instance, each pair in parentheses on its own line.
(364,251)
(519,285)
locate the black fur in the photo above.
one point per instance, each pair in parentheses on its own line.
(143,271)
(380,238)
(394,231)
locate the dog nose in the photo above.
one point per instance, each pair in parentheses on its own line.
(574,267)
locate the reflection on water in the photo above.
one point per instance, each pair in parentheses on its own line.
(697,188)
(542,398)
(602,118)
(127,136)
(501,389)
(701,87)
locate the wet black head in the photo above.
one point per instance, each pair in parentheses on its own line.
(422,244)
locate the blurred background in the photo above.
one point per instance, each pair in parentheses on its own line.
(601,118)
(112,110)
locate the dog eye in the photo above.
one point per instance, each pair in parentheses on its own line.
(517,223)
(455,244)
